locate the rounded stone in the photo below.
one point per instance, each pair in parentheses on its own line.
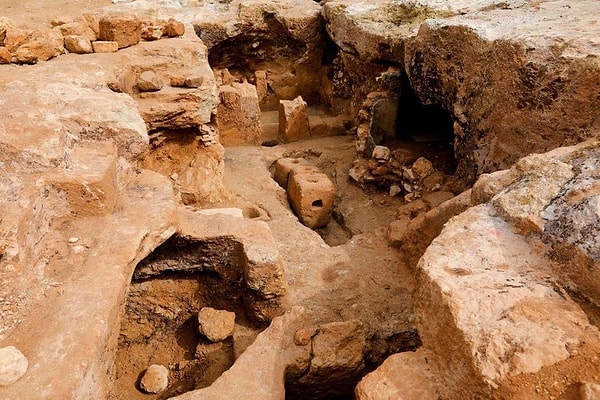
(13,365)
(302,336)
(149,82)
(155,379)
(216,325)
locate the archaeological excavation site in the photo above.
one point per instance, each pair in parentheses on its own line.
(299,200)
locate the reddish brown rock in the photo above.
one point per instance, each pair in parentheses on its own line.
(174,28)
(125,30)
(5,56)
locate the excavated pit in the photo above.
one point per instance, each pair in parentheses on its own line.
(160,323)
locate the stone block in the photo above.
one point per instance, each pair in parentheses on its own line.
(77,28)
(488,307)
(283,168)
(78,44)
(125,30)
(238,115)
(338,348)
(174,28)
(193,81)
(403,376)
(383,121)
(311,194)
(260,80)
(381,153)
(293,120)
(105,46)
(423,167)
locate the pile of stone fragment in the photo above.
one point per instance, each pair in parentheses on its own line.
(86,34)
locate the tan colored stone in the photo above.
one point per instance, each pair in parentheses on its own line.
(238,115)
(284,166)
(403,376)
(148,81)
(103,46)
(194,81)
(152,31)
(174,28)
(5,56)
(125,30)
(381,153)
(177,81)
(15,37)
(78,44)
(216,325)
(13,365)
(175,108)
(293,120)
(43,47)
(522,202)
(494,309)
(338,347)
(311,194)
(427,226)
(260,81)
(155,379)
(77,28)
